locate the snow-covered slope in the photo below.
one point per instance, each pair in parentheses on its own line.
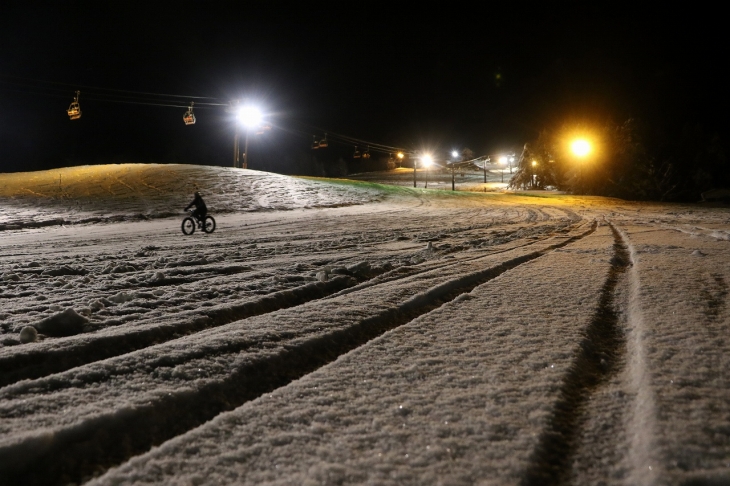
(334,332)
(119,192)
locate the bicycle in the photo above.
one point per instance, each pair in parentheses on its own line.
(189,223)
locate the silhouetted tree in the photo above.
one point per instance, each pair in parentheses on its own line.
(544,172)
(610,169)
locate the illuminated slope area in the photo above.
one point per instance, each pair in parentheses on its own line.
(143,191)
(394,336)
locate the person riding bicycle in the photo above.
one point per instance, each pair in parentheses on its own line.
(200,208)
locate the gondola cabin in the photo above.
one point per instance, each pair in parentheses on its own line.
(74,110)
(189,116)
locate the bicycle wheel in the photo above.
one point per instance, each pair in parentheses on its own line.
(209,225)
(188,226)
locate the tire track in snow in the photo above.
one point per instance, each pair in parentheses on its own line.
(400,273)
(641,420)
(40,362)
(600,357)
(108,439)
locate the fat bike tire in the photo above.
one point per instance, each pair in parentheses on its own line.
(188,226)
(209,224)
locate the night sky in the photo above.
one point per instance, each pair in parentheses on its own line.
(417,76)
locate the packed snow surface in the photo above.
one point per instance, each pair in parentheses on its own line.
(355,332)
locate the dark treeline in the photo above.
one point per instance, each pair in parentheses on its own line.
(629,160)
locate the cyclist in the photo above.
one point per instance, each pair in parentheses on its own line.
(200,208)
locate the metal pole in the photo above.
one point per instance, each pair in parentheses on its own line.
(245,152)
(235,149)
(452,177)
(485,171)
(414,172)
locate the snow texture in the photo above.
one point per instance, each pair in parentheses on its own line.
(342,332)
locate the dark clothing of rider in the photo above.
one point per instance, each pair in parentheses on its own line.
(200,209)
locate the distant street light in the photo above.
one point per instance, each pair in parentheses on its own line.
(400,158)
(250,117)
(426,162)
(454,158)
(534,176)
(503,160)
(581,147)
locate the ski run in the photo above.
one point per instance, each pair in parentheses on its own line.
(341,332)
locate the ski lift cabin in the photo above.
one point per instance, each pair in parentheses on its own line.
(315,143)
(323,142)
(366,153)
(356,155)
(74,110)
(189,116)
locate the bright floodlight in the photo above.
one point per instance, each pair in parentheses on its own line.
(534,163)
(249,116)
(454,153)
(400,155)
(503,160)
(581,147)
(426,160)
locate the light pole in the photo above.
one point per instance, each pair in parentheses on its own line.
(580,148)
(484,166)
(511,159)
(249,117)
(235,147)
(502,161)
(454,158)
(415,162)
(426,162)
(400,158)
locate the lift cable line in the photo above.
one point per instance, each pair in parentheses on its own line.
(124,99)
(338,138)
(145,98)
(172,104)
(362,147)
(217,101)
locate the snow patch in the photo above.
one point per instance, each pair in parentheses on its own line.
(66,323)
(28,334)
